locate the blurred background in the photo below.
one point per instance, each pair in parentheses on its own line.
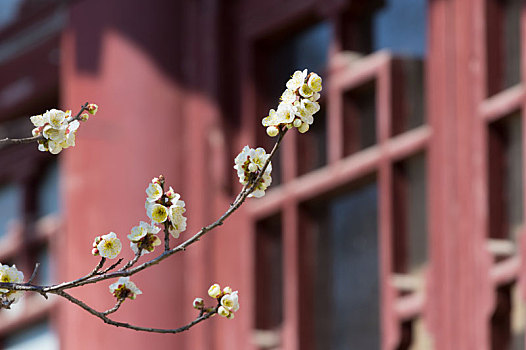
(396,222)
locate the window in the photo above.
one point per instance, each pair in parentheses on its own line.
(342,286)
(40,336)
(352,194)
(503,44)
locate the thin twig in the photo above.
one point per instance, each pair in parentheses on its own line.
(33,275)
(8,141)
(115,308)
(166,236)
(111,267)
(132,261)
(108,320)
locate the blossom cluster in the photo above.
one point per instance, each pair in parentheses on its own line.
(10,275)
(144,238)
(228,301)
(162,206)
(249,164)
(298,104)
(124,288)
(57,128)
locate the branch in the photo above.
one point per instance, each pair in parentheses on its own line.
(7,141)
(96,276)
(103,316)
(240,199)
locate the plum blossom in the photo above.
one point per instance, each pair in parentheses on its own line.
(248,164)
(124,288)
(298,104)
(109,246)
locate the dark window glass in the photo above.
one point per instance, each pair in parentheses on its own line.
(312,145)
(410,215)
(359,118)
(400,26)
(48,191)
(269,269)
(507,321)
(505,177)
(503,44)
(408,109)
(340,282)
(10,206)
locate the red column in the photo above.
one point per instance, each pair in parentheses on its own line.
(125,58)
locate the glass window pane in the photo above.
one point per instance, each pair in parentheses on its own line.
(505,177)
(10,206)
(40,337)
(342,260)
(507,321)
(359,118)
(410,215)
(48,191)
(269,269)
(503,44)
(401,27)
(407,102)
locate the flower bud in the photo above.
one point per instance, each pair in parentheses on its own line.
(199,303)
(227,290)
(272,131)
(297,123)
(170,193)
(84,117)
(303,128)
(230,316)
(93,108)
(214,291)
(95,251)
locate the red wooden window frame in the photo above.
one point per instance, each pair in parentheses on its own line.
(340,170)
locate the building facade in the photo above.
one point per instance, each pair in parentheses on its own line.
(396,222)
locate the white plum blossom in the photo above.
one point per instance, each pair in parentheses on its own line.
(124,288)
(230,301)
(248,164)
(57,131)
(314,82)
(165,207)
(158,213)
(154,192)
(298,104)
(297,79)
(143,238)
(10,274)
(109,246)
